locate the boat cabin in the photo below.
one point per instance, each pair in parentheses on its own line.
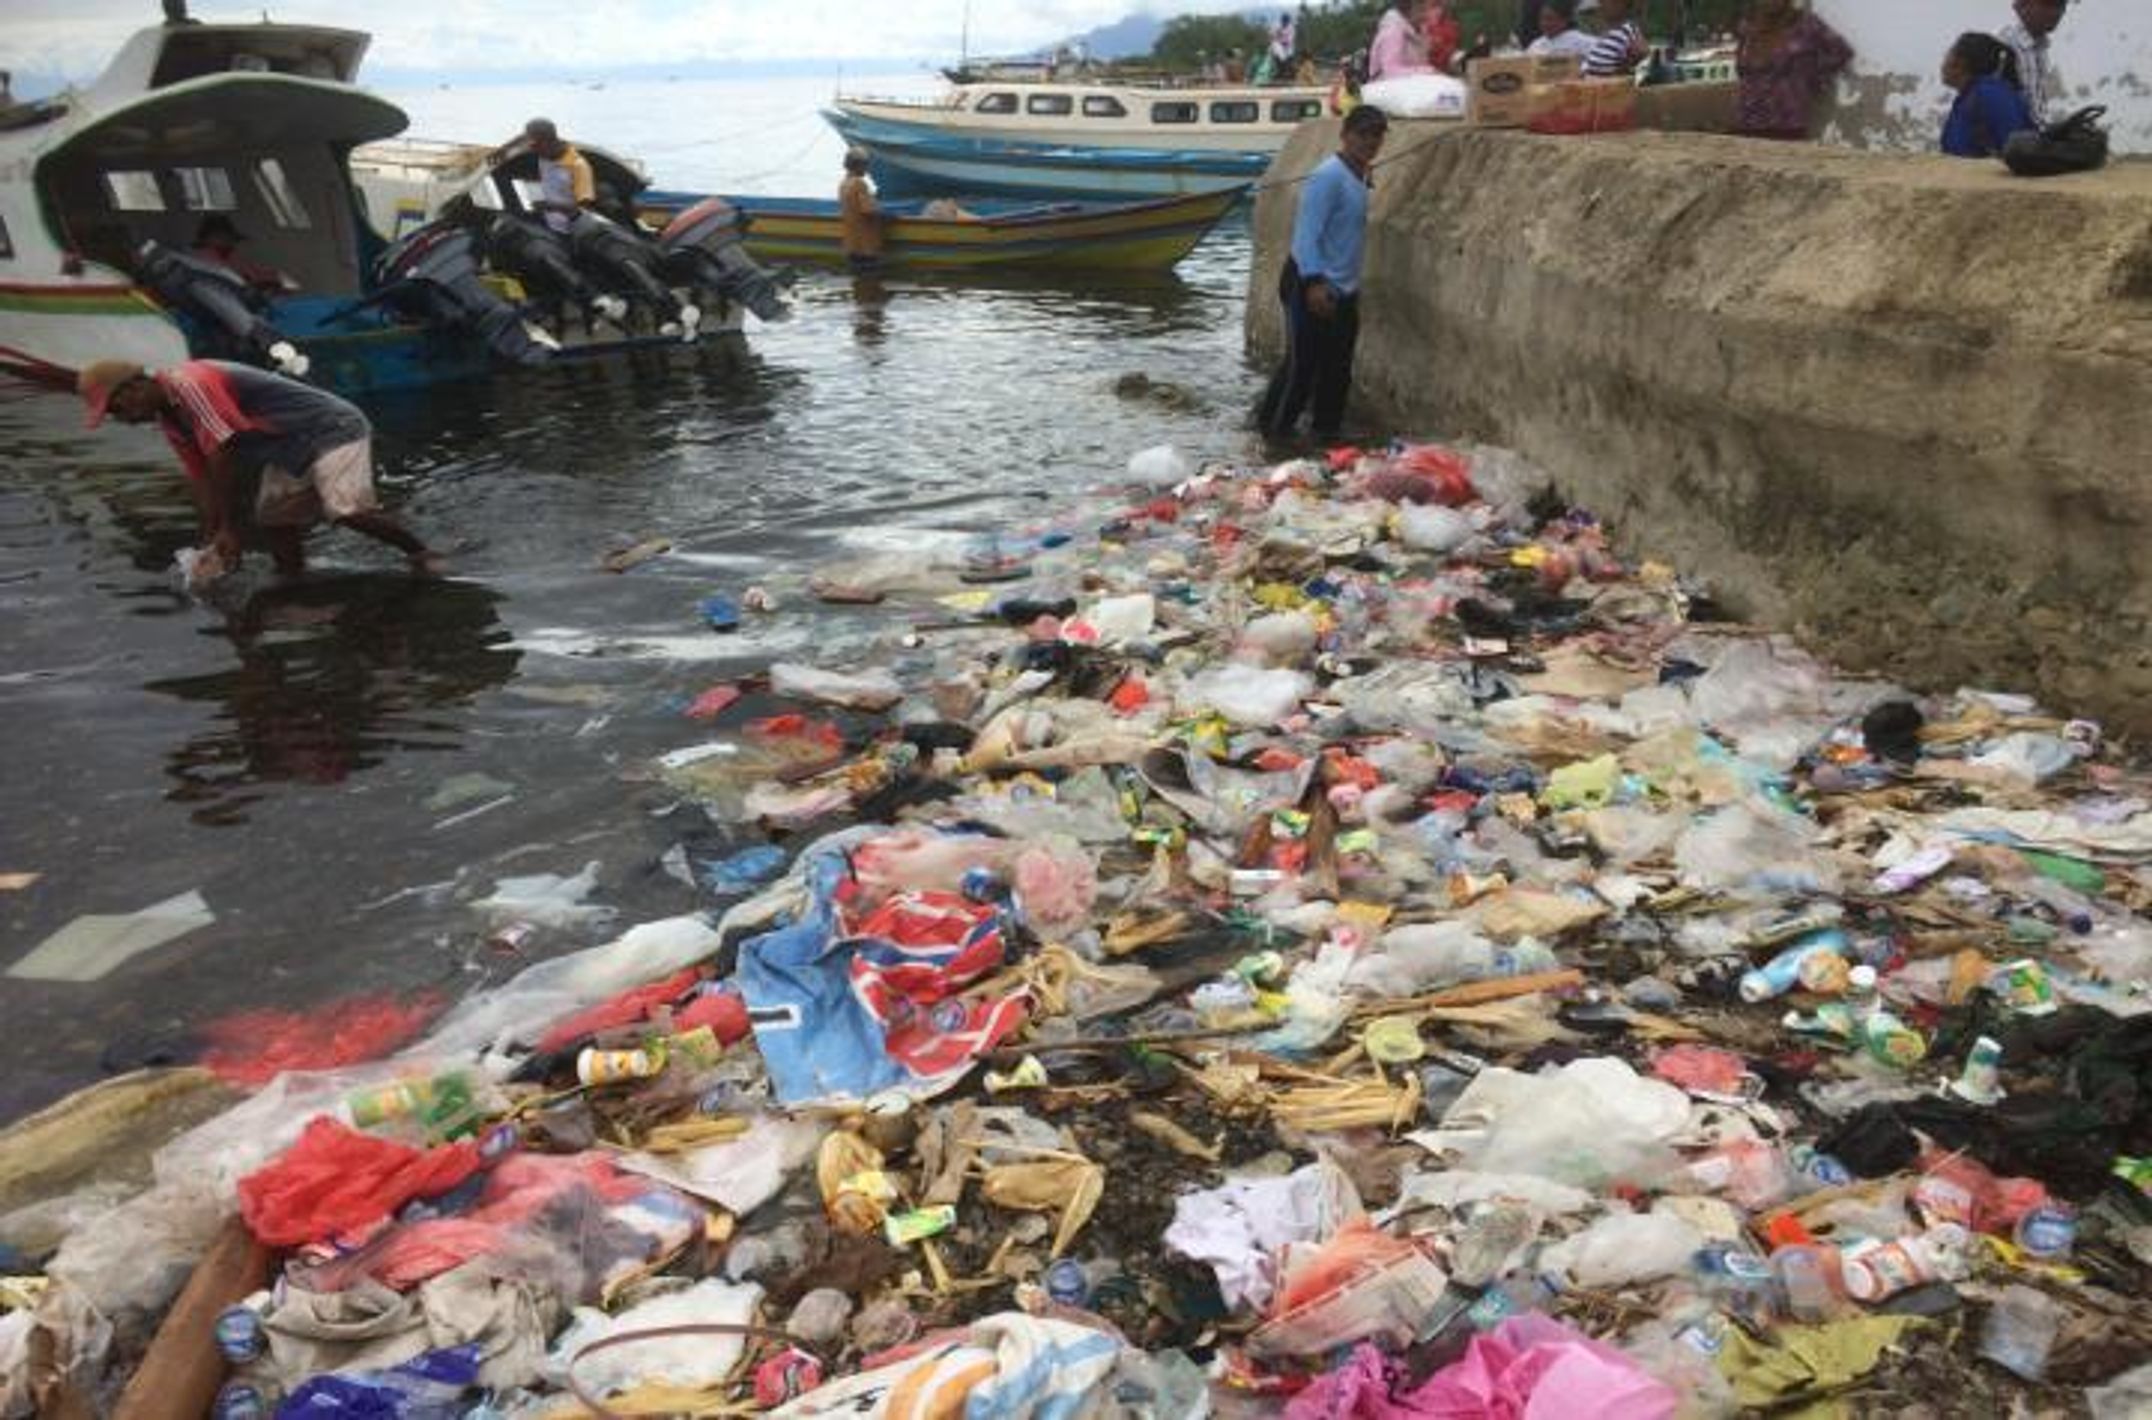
(250,122)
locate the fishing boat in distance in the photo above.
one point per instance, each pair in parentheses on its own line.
(1076,139)
(1001,234)
(106,192)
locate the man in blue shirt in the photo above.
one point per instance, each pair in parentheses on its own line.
(1320,286)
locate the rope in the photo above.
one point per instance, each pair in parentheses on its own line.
(1381,162)
(658,1333)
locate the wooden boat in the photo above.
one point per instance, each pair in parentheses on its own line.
(1075,139)
(1004,234)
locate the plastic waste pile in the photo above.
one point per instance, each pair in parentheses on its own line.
(1325,940)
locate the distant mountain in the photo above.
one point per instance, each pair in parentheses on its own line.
(1128,38)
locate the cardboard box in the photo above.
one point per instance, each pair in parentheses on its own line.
(1583,106)
(1499,90)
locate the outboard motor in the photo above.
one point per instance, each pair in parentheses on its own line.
(706,247)
(221,299)
(536,255)
(432,276)
(629,262)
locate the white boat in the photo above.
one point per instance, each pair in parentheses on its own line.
(103,189)
(1076,138)
(247,121)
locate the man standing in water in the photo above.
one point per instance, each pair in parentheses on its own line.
(860,216)
(1320,286)
(266,457)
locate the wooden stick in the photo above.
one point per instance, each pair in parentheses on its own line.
(183,1367)
(1476,993)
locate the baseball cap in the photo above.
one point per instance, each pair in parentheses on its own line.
(97,383)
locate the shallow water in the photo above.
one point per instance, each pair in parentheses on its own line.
(278,751)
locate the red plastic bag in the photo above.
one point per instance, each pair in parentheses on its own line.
(1424,473)
(630,1007)
(335,1180)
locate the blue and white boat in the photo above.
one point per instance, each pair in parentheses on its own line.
(1075,139)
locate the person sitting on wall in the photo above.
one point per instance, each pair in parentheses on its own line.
(1558,33)
(1990,107)
(1443,35)
(1620,47)
(1400,46)
(1786,60)
(2028,39)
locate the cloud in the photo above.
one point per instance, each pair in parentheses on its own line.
(76,37)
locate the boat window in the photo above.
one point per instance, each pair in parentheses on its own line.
(1173,113)
(282,197)
(1052,105)
(133,190)
(7,243)
(1235,112)
(206,190)
(1102,106)
(996,103)
(1294,110)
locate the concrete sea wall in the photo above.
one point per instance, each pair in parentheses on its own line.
(1900,405)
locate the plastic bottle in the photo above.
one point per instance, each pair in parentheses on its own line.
(1739,1280)
(1818,957)
(1876,1270)
(1808,1281)
(2047,1232)
(1748,1171)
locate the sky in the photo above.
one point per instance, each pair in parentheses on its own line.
(74,38)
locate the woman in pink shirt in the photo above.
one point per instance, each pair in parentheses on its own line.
(1787,59)
(1400,47)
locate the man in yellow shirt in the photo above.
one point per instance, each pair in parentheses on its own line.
(566,182)
(861,214)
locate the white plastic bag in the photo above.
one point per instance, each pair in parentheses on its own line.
(1160,466)
(1430,527)
(1249,696)
(1417,96)
(1624,1248)
(870,690)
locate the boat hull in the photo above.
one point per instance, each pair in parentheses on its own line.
(917,159)
(1143,236)
(49,331)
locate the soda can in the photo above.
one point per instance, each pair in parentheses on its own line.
(613,1067)
(788,1375)
(2047,1232)
(241,1400)
(1067,1283)
(239,1334)
(371,1108)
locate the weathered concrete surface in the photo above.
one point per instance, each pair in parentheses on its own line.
(1901,405)
(1894,95)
